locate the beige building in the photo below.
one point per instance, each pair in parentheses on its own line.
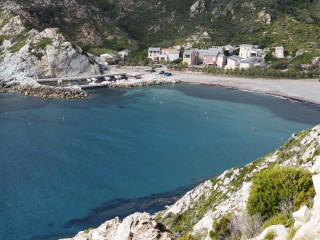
(279,52)
(190,57)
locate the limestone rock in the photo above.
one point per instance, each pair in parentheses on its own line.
(316,183)
(189,198)
(264,17)
(301,216)
(280,232)
(137,226)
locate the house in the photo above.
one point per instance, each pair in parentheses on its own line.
(248,51)
(172,54)
(249,62)
(124,53)
(211,59)
(190,57)
(154,53)
(279,52)
(233,62)
(164,54)
(206,52)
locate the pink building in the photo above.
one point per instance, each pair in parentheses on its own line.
(211,59)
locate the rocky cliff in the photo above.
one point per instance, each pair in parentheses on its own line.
(201,212)
(35,53)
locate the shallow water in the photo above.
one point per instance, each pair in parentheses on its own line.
(70,165)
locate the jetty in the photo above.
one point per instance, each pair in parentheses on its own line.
(56,79)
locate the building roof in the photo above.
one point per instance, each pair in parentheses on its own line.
(154,49)
(235,58)
(250,60)
(188,52)
(212,54)
(108,55)
(246,45)
(126,51)
(173,52)
(279,48)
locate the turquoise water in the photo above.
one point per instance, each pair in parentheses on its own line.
(70,165)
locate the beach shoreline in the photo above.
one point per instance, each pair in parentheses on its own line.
(302,90)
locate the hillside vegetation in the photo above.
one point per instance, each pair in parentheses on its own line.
(117,24)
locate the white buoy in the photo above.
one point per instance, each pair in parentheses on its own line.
(6,113)
(63,118)
(29,124)
(160,102)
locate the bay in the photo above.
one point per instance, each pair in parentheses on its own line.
(70,165)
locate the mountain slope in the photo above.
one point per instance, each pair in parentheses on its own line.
(118,24)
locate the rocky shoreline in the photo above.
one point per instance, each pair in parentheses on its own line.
(30,87)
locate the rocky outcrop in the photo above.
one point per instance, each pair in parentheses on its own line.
(138,226)
(310,229)
(45,53)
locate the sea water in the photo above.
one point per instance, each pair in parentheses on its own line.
(67,165)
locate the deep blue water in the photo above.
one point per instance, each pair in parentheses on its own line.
(69,165)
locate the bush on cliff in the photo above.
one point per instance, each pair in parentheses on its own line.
(273,187)
(221,229)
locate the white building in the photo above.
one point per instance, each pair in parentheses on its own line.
(248,51)
(172,54)
(124,53)
(163,54)
(279,52)
(233,62)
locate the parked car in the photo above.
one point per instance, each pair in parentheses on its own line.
(150,70)
(168,74)
(162,72)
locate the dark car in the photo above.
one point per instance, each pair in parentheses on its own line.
(168,74)
(162,72)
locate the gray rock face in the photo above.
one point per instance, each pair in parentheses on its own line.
(138,226)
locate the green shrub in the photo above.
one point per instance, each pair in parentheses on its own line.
(279,219)
(274,186)
(221,229)
(270,236)
(292,232)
